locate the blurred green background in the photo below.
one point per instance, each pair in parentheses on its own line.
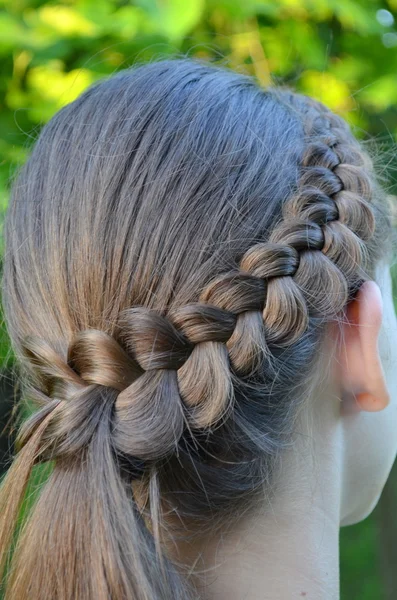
(343,52)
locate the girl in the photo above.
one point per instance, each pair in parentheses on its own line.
(196,287)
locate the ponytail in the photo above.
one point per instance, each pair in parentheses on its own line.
(86,536)
(175,245)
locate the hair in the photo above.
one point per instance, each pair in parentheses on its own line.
(175,246)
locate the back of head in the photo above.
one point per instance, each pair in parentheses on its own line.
(162,292)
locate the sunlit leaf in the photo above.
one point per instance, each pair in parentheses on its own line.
(333,92)
(381,93)
(55,87)
(66,21)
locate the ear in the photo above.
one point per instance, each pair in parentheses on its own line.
(361,375)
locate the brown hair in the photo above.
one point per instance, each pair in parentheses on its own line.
(174,248)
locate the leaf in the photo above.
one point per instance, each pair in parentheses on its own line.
(12,32)
(354,16)
(66,21)
(380,94)
(174,18)
(323,86)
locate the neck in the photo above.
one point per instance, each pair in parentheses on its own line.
(290,547)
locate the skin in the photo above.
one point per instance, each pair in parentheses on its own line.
(346,442)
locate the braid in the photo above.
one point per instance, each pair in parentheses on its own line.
(190,354)
(217,231)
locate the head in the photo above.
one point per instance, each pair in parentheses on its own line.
(180,249)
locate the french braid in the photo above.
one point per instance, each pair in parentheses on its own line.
(176,244)
(309,267)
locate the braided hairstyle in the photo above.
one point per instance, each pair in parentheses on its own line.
(175,246)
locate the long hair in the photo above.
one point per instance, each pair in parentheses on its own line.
(175,246)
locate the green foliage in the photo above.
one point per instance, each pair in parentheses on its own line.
(359,562)
(51,51)
(335,50)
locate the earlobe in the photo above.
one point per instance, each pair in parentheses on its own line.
(361,373)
